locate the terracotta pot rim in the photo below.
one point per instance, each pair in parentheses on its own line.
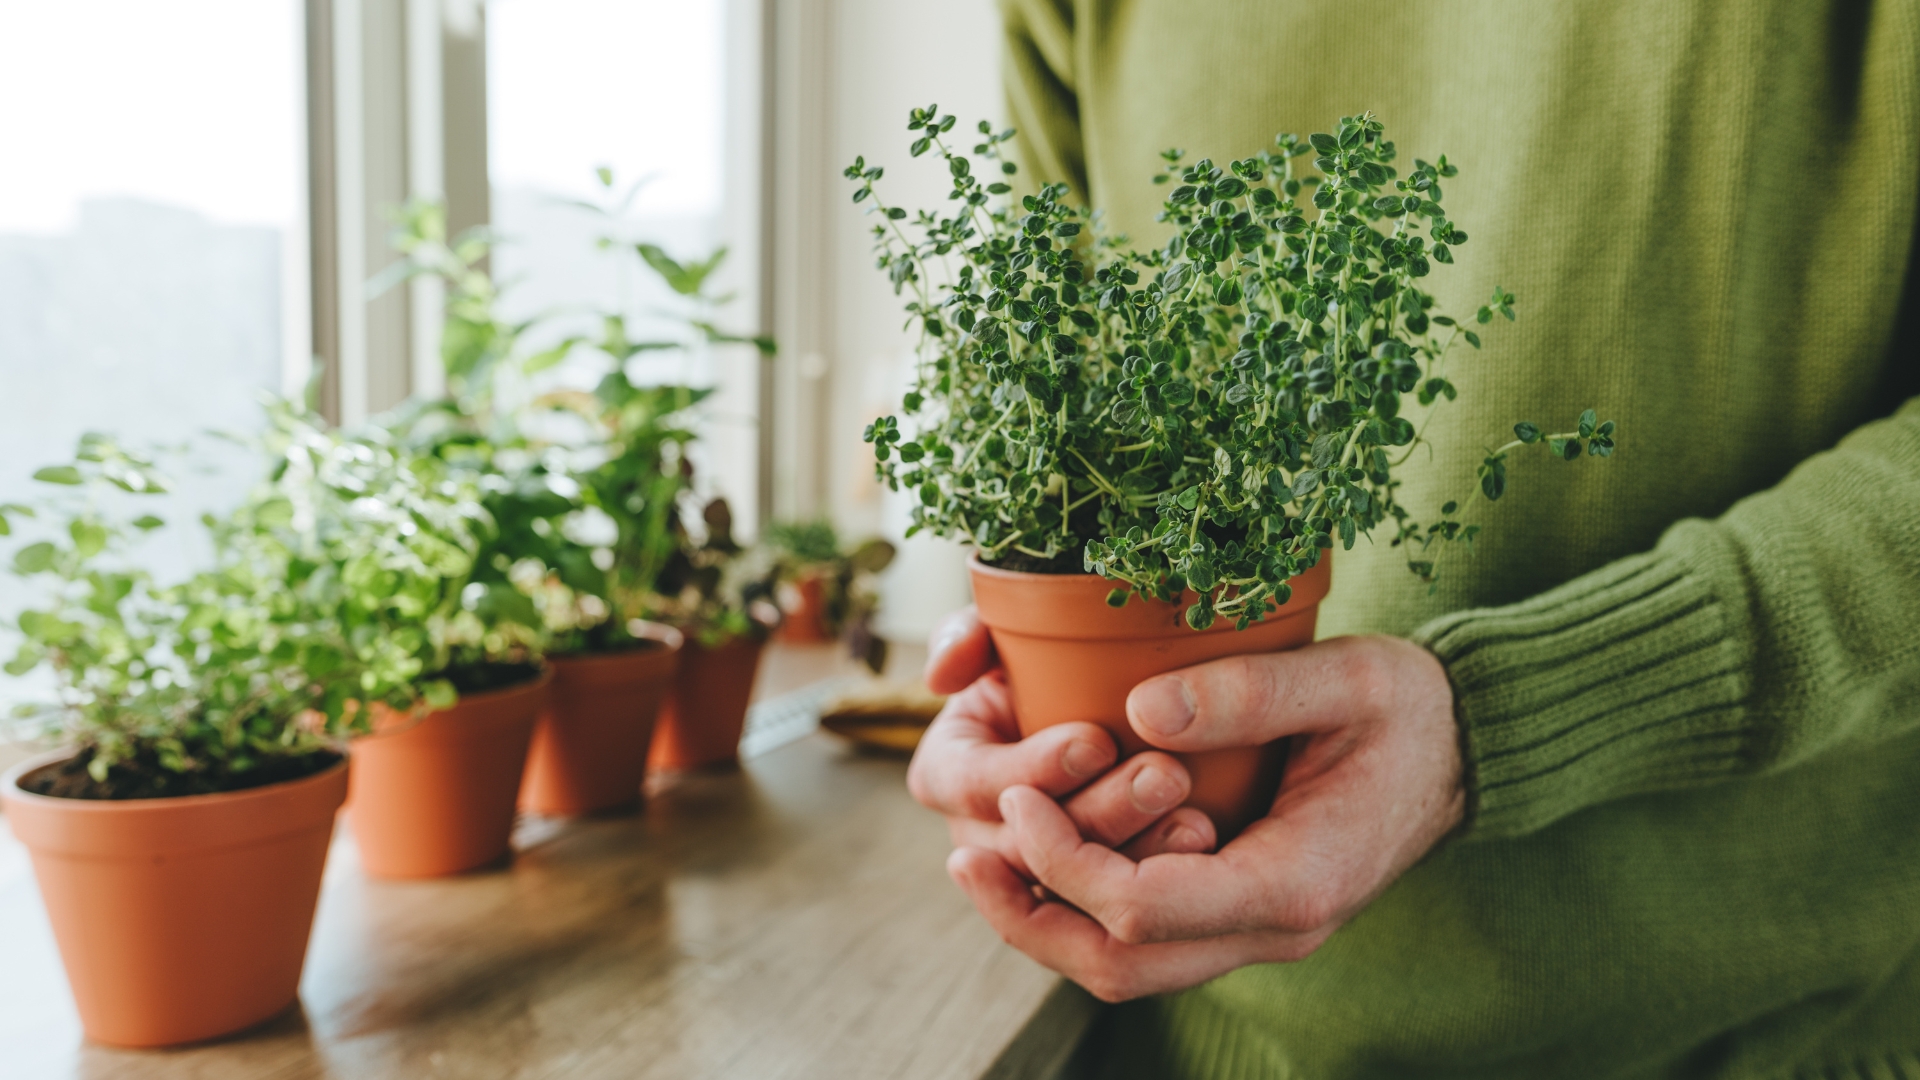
(1072,607)
(535,687)
(11,789)
(671,639)
(976,566)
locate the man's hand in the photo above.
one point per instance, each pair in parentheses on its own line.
(973,751)
(1373,783)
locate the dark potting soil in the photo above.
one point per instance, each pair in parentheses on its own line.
(617,648)
(1072,562)
(482,678)
(144,778)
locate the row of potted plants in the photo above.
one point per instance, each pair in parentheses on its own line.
(478,604)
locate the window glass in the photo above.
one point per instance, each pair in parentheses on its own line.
(151,283)
(635,87)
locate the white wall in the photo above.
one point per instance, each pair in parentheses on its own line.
(890,56)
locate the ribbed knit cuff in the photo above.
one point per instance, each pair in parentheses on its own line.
(1633,678)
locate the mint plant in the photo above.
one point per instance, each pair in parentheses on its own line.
(1210,414)
(218,682)
(380,547)
(585,524)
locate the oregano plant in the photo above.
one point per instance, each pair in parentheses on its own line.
(1210,414)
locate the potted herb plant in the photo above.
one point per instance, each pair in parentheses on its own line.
(579,525)
(388,545)
(722,595)
(1150,450)
(180,833)
(826,592)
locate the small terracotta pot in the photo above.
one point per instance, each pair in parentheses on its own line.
(1068,656)
(702,720)
(589,752)
(806,624)
(437,796)
(179,919)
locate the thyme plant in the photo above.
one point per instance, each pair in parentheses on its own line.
(1210,414)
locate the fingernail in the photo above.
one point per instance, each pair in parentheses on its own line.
(1082,759)
(1185,839)
(1154,791)
(1008,812)
(1164,705)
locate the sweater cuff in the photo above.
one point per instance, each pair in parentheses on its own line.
(1627,680)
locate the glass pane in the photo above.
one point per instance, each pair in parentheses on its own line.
(149,216)
(633,86)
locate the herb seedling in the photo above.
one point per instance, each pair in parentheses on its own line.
(1210,414)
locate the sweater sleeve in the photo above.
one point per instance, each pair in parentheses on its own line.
(1785,629)
(1042,94)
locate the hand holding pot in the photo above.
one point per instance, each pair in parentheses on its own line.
(973,751)
(1374,782)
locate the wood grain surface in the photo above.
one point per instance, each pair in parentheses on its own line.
(790,920)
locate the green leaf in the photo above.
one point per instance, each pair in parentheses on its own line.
(34,558)
(59,474)
(89,537)
(439,694)
(1526,432)
(147,522)
(1117,598)
(1588,421)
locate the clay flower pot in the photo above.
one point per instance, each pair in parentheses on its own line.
(589,752)
(701,722)
(806,621)
(179,919)
(436,796)
(1068,656)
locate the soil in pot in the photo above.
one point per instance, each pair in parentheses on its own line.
(178,919)
(143,777)
(436,795)
(589,752)
(702,720)
(1070,657)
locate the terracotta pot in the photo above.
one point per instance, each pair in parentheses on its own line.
(1068,656)
(589,752)
(806,623)
(437,796)
(701,722)
(179,919)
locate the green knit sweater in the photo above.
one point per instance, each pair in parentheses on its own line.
(1688,677)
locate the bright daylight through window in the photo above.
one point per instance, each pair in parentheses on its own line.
(632,87)
(152,244)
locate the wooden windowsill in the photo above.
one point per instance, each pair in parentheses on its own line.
(792,919)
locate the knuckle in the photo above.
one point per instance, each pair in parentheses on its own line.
(918,785)
(1310,911)
(1130,924)
(1105,980)
(1367,671)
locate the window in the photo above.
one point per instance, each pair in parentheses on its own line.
(635,87)
(152,238)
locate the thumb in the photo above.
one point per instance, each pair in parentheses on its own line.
(1250,700)
(958,652)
